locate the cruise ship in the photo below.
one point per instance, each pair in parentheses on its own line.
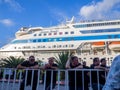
(86,39)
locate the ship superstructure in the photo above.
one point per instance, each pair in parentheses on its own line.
(86,39)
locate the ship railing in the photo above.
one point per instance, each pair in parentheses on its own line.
(70,79)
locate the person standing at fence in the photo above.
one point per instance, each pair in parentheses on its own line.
(86,76)
(0,73)
(103,73)
(95,74)
(75,77)
(113,77)
(51,74)
(32,75)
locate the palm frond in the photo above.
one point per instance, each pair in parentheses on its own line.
(11,62)
(61,59)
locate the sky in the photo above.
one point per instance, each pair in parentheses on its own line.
(15,14)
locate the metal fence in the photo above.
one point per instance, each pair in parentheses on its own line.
(70,79)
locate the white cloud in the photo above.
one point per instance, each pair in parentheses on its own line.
(7,22)
(101,10)
(13,4)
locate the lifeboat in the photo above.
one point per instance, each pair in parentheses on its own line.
(115,45)
(98,45)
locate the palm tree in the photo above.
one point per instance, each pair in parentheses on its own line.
(11,62)
(40,62)
(61,60)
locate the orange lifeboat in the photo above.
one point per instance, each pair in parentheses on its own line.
(115,45)
(98,45)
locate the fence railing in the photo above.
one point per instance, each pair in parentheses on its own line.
(70,79)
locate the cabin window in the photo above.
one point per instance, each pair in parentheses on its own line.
(35,34)
(59,46)
(43,46)
(45,34)
(49,46)
(44,40)
(60,33)
(34,40)
(38,46)
(66,45)
(60,39)
(66,32)
(39,40)
(72,45)
(50,34)
(39,34)
(72,32)
(49,40)
(55,39)
(55,33)
(54,46)
(23,47)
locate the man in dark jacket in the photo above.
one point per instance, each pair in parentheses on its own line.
(50,68)
(31,74)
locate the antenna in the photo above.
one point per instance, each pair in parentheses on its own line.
(71,21)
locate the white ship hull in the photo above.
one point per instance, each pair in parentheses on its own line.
(71,37)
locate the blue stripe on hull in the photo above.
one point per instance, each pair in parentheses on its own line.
(61,39)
